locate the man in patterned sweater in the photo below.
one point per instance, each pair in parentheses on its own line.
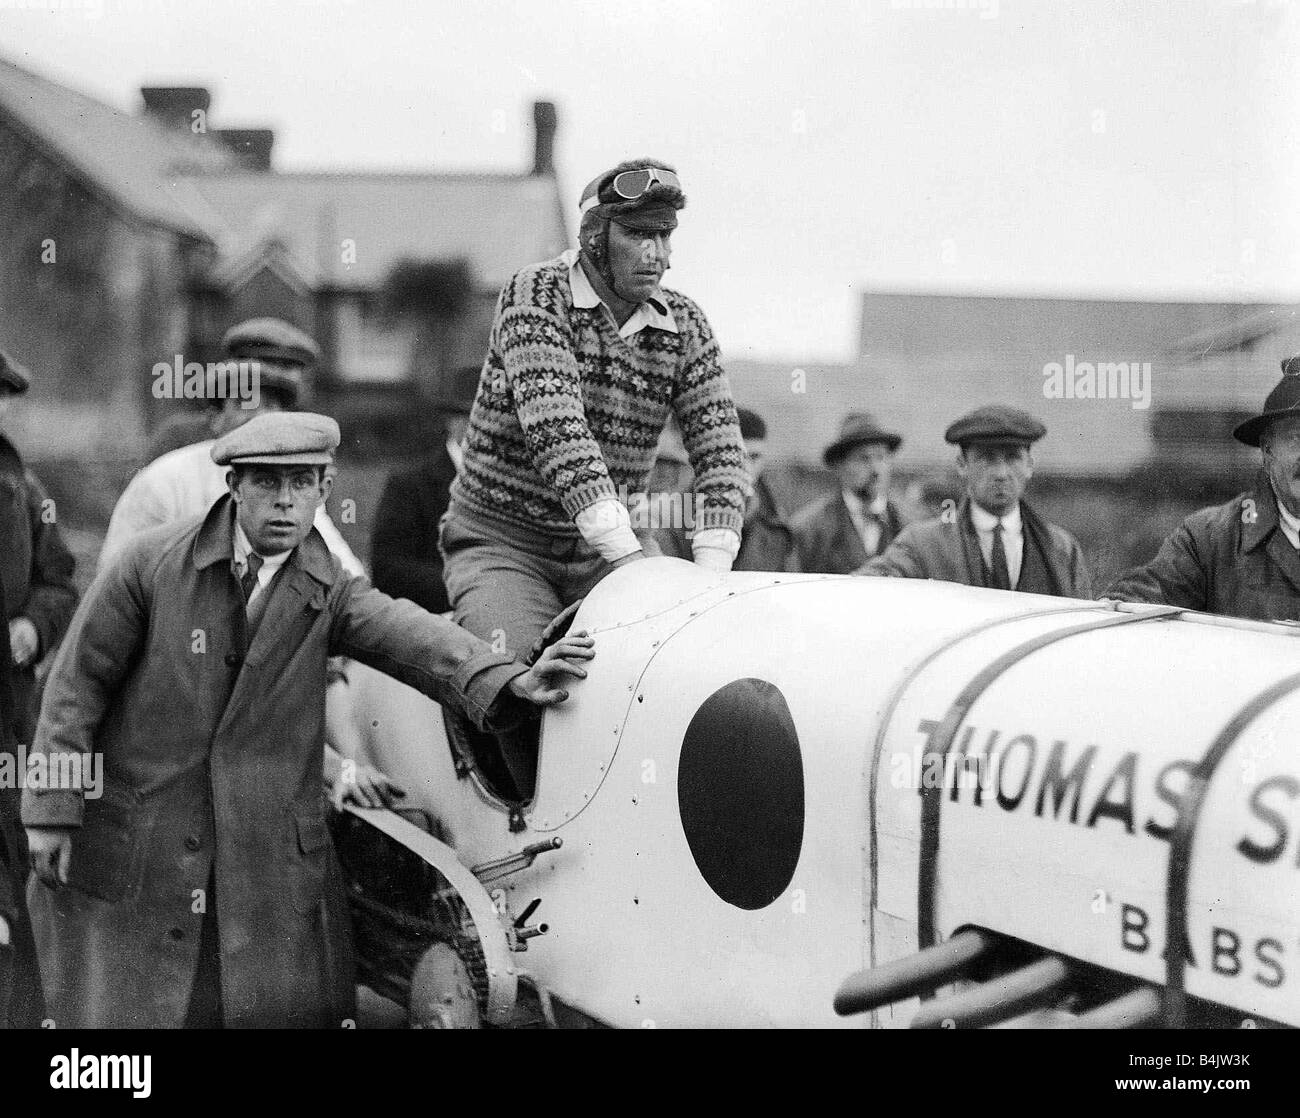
(588,356)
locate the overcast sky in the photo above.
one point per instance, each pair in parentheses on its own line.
(1144,148)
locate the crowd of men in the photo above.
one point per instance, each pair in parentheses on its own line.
(208,663)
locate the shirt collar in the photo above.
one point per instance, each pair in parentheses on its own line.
(270,563)
(858,506)
(1290,524)
(985,521)
(653,312)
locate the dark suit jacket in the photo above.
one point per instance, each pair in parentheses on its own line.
(826,540)
(1230,559)
(947,548)
(404,551)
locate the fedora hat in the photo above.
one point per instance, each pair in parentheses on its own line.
(857,428)
(1283,400)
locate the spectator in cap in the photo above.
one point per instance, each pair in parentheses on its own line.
(283,355)
(184,482)
(589,355)
(992,538)
(838,533)
(1241,558)
(37,598)
(196,665)
(766,541)
(404,544)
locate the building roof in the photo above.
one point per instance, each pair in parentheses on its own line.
(127,157)
(499,222)
(917,324)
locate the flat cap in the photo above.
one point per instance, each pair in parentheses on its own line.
(272,339)
(286,438)
(13,377)
(995,423)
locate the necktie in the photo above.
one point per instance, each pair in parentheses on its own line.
(873,540)
(248,581)
(1001,573)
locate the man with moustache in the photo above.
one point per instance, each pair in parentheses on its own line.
(992,537)
(1241,558)
(193,891)
(838,533)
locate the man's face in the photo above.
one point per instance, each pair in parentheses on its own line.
(1281,447)
(755,455)
(996,474)
(457,425)
(276,504)
(638,259)
(864,470)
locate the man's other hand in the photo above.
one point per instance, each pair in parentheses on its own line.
(51,852)
(24,642)
(540,684)
(364,786)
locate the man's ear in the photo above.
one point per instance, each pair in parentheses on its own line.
(326,484)
(232,484)
(962,468)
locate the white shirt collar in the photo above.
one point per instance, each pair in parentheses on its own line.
(456,452)
(857,505)
(1289,524)
(985,521)
(653,312)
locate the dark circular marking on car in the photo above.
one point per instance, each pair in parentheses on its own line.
(740,792)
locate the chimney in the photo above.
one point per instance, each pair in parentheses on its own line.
(174,106)
(544,124)
(252,145)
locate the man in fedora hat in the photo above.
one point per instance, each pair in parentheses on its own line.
(404,543)
(838,533)
(283,355)
(37,598)
(196,889)
(992,537)
(1239,558)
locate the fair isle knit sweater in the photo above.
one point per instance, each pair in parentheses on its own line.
(569,413)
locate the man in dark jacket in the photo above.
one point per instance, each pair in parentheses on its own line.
(192,889)
(766,540)
(838,533)
(404,551)
(992,537)
(1241,558)
(37,599)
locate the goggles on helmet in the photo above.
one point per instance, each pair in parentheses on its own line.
(631,185)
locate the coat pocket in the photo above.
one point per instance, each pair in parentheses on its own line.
(309,866)
(106,848)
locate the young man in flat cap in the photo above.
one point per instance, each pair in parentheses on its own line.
(836,534)
(37,599)
(588,356)
(992,538)
(194,889)
(1241,558)
(284,355)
